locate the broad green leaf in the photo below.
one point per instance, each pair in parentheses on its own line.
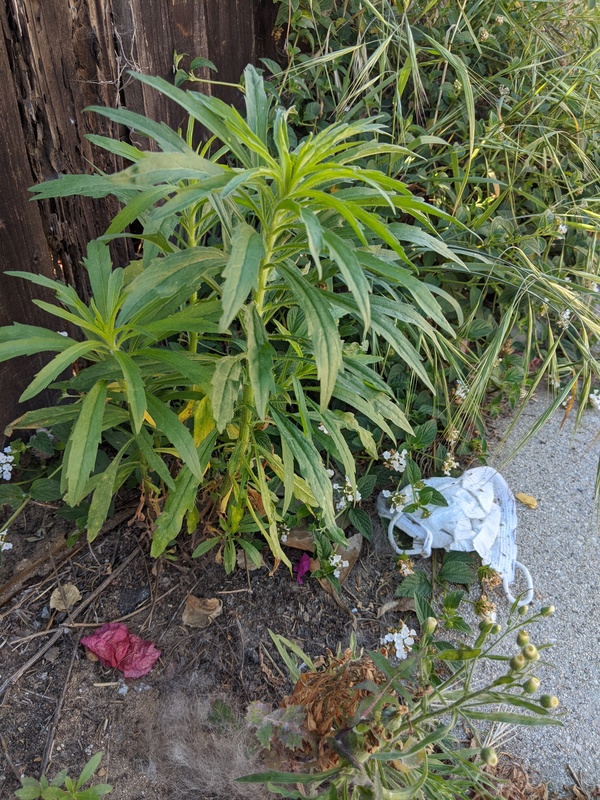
(58,365)
(225,389)
(83,444)
(134,384)
(352,273)
(322,328)
(242,271)
(415,584)
(12,495)
(186,364)
(200,317)
(260,355)
(45,490)
(168,423)
(363,523)
(173,275)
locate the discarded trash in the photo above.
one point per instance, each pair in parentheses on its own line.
(115,646)
(480,516)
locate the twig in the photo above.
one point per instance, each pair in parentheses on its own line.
(9,760)
(15,676)
(52,732)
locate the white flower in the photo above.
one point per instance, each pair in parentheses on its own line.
(449,464)
(398,501)
(348,494)
(564,318)
(499,20)
(8,449)
(386,493)
(323,429)
(504,90)
(562,229)
(283,537)
(460,391)
(484,35)
(404,568)
(394,460)
(452,434)
(6,546)
(594,399)
(331,473)
(402,639)
(62,333)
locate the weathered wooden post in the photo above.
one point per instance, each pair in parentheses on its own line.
(56,58)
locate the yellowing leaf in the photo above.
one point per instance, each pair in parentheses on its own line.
(64,597)
(199,612)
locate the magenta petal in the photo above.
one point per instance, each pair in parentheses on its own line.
(302,567)
(140,659)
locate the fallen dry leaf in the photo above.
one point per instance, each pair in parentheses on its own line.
(245,562)
(404,604)
(350,553)
(300,538)
(64,597)
(199,612)
(115,646)
(526,499)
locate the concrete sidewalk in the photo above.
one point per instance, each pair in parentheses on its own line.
(559,544)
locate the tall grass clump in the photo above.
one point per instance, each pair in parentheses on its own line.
(498,103)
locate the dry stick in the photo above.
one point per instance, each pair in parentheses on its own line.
(9,760)
(52,732)
(15,677)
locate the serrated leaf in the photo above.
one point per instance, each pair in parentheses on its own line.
(457,568)
(11,495)
(423,608)
(413,585)
(412,473)
(365,485)
(45,490)
(241,272)
(452,600)
(360,520)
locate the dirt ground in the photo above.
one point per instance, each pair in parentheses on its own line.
(58,708)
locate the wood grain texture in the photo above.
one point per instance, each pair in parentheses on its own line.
(56,58)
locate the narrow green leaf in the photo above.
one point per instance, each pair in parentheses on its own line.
(153,459)
(241,272)
(89,769)
(83,443)
(43,418)
(260,355)
(26,340)
(205,546)
(257,104)
(322,328)
(134,385)
(225,389)
(352,273)
(168,423)
(103,495)
(511,719)
(58,365)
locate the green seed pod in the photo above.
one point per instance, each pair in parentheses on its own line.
(548,701)
(496,628)
(531,685)
(522,610)
(530,652)
(429,626)
(489,756)
(522,638)
(547,611)
(517,663)
(485,626)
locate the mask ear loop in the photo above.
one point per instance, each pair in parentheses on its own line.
(421,549)
(529,595)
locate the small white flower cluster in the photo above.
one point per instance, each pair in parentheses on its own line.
(484,34)
(348,495)
(449,464)
(458,86)
(395,460)
(452,434)
(564,318)
(339,563)
(594,399)
(6,463)
(402,640)
(397,500)
(323,429)
(504,90)
(562,229)
(4,545)
(499,20)
(283,530)
(460,391)
(405,567)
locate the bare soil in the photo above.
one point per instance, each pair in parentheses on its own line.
(58,708)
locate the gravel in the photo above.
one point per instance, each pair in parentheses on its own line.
(559,543)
